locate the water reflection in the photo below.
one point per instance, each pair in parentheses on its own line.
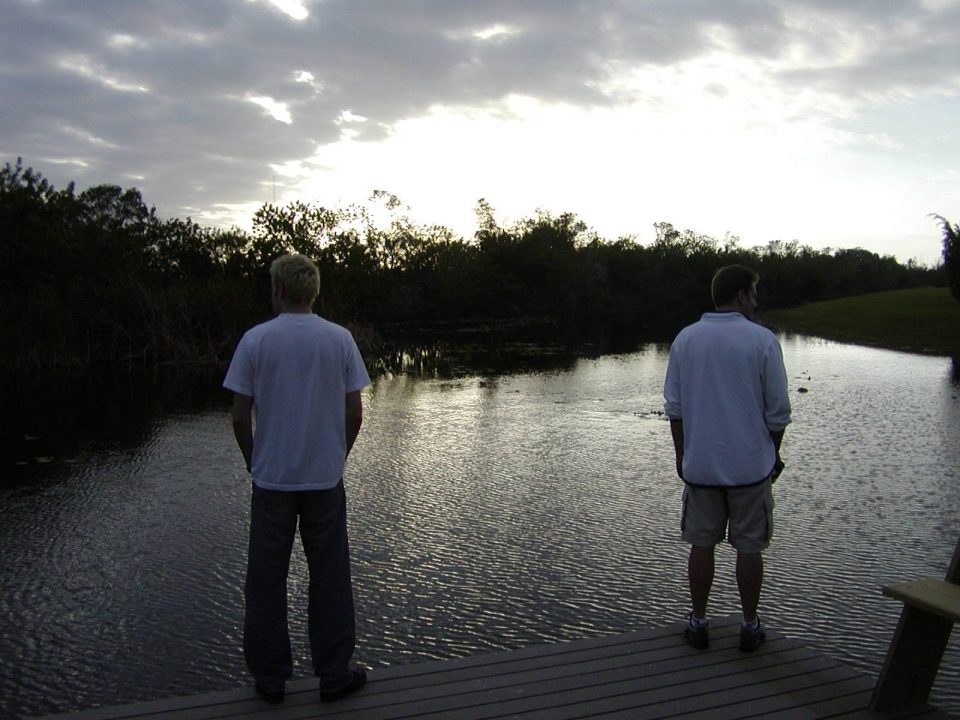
(61,418)
(505,349)
(520,496)
(445,360)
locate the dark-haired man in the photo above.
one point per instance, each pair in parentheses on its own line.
(726,397)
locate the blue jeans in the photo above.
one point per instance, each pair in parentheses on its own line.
(322,516)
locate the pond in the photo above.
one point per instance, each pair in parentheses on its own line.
(493,505)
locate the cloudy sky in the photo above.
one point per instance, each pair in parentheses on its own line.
(832,122)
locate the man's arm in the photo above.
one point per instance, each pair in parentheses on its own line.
(242,415)
(776,400)
(672,405)
(676,429)
(353,417)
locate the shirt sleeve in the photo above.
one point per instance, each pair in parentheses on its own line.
(776,399)
(671,387)
(239,376)
(356,371)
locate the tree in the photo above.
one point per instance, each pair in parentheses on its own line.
(951,254)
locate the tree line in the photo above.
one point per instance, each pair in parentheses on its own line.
(96,278)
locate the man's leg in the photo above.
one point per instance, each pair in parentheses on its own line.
(703,524)
(266,640)
(700,569)
(749,581)
(323,530)
(751,527)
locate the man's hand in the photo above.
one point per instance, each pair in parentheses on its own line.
(778,467)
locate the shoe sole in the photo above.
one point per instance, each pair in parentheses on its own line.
(357,682)
(274,697)
(753,643)
(695,642)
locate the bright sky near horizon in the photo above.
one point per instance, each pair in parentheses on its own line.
(829,122)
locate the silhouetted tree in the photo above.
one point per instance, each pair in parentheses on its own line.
(97,277)
(951,255)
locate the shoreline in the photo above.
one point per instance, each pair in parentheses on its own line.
(924,321)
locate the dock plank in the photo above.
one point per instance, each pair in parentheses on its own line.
(649,673)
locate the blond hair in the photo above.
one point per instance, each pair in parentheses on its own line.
(298,276)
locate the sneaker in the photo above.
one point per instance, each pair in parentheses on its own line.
(698,637)
(358,678)
(752,637)
(272,696)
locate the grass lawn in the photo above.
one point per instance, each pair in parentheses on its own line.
(922,320)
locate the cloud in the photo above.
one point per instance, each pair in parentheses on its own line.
(202,100)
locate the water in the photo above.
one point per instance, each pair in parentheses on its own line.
(490,508)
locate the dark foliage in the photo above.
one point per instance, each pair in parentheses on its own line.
(951,255)
(95,278)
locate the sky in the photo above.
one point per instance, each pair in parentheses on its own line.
(835,123)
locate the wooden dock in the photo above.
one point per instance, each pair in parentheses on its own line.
(646,674)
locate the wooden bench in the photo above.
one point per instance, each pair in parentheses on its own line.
(930,608)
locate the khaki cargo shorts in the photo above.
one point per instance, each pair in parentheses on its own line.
(747,511)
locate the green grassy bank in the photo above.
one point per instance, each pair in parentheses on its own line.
(922,320)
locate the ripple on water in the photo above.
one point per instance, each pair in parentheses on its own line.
(483,515)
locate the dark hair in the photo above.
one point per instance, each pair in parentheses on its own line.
(730,280)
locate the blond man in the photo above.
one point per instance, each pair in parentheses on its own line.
(301,376)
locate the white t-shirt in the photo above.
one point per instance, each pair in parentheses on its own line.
(298,369)
(726,381)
